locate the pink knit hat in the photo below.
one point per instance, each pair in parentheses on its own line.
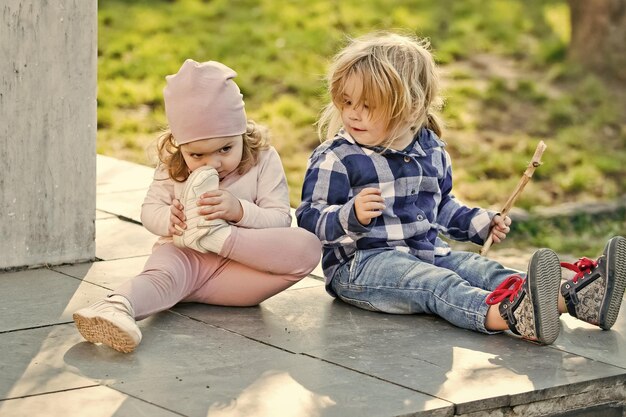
(202,101)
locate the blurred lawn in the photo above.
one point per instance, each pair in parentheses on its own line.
(506,82)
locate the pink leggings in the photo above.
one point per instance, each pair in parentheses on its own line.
(254,264)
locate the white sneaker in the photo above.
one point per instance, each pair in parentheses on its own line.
(111,322)
(200,181)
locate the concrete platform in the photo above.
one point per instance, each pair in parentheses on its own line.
(300,353)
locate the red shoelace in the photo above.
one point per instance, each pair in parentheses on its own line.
(581,266)
(508,288)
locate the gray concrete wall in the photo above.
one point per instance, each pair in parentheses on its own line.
(48,57)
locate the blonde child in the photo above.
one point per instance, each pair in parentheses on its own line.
(378,191)
(219,202)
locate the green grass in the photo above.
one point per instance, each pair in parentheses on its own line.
(581,234)
(507,84)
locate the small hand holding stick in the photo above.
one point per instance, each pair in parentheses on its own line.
(534,163)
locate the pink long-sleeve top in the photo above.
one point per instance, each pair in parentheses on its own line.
(262,191)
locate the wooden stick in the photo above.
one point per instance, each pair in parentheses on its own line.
(534,163)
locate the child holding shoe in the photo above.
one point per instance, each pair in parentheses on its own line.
(219,202)
(378,191)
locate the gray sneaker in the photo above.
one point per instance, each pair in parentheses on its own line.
(110,322)
(595,293)
(530,306)
(200,181)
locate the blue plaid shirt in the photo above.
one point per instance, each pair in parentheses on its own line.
(416,184)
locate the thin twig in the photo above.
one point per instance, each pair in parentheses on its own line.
(534,163)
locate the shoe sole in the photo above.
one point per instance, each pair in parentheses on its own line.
(615,253)
(99,330)
(210,173)
(545,269)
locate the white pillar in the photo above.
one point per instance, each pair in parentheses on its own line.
(48,76)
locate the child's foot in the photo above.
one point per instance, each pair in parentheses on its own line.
(200,181)
(530,306)
(110,322)
(595,293)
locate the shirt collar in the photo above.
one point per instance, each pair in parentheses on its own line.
(423,139)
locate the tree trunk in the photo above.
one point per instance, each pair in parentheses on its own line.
(598,40)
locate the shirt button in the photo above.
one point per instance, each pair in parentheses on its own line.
(407,159)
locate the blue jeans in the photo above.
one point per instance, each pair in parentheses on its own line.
(454,288)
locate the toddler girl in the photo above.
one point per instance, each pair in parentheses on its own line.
(219,201)
(378,192)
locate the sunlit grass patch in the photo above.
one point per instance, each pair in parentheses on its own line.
(506,84)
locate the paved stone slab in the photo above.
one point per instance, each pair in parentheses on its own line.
(591,342)
(474,371)
(117,239)
(181,358)
(195,369)
(94,401)
(42,297)
(107,274)
(32,362)
(121,187)
(114,175)
(126,204)
(46,359)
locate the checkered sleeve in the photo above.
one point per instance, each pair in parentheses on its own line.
(456,220)
(327,207)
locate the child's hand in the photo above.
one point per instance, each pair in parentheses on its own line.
(368,204)
(500,228)
(220,204)
(177,218)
